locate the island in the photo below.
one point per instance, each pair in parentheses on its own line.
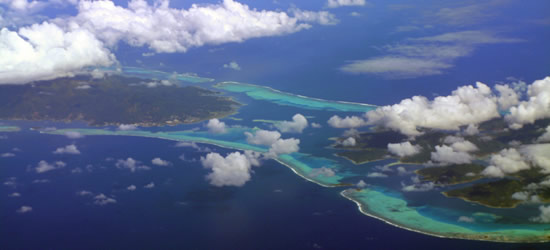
(113,100)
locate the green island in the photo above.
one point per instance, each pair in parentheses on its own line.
(493,137)
(113,100)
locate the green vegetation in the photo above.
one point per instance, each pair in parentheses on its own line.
(493,194)
(364,156)
(452,174)
(112,100)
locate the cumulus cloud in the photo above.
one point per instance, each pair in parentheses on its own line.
(284,146)
(232,170)
(215,126)
(545,137)
(324,171)
(6,155)
(340,3)
(84,193)
(262,137)
(44,166)
(361,184)
(69,149)
(131,165)
(466,219)
(45,51)
(316,125)
(102,200)
(464,146)
(73,135)
(297,125)
(417,185)
(403,149)
(349,142)
(444,112)
(445,154)
(165,29)
(505,162)
(15,194)
(536,107)
(150,185)
(24,209)
(125,127)
(538,155)
(131,188)
(347,122)
(377,175)
(507,96)
(232,65)
(544,216)
(160,162)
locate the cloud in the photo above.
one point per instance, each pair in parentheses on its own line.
(464,146)
(507,96)
(45,51)
(69,149)
(536,107)
(84,193)
(232,65)
(349,142)
(377,175)
(125,127)
(44,166)
(131,165)
(417,185)
(102,200)
(165,29)
(507,161)
(361,184)
(444,112)
(467,14)
(24,209)
(403,149)
(545,137)
(160,162)
(544,216)
(262,137)
(6,155)
(193,145)
(73,135)
(316,125)
(537,155)
(445,154)
(347,122)
(232,170)
(466,219)
(284,146)
(149,186)
(324,171)
(131,188)
(215,126)
(297,125)
(340,3)
(423,56)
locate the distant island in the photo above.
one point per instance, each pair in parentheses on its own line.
(494,136)
(112,100)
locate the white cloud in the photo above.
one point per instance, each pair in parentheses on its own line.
(6,155)
(545,137)
(125,127)
(316,125)
(44,166)
(69,149)
(73,135)
(262,137)
(15,194)
(445,154)
(131,165)
(544,216)
(347,122)
(45,51)
(131,188)
(160,162)
(149,186)
(340,3)
(297,125)
(361,184)
(215,126)
(232,170)
(472,129)
(538,155)
(84,193)
(417,185)
(24,209)
(232,65)
(444,112)
(324,171)
(397,66)
(284,146)
(507,96)
(466,219)
(536,107)
(505,162)
(464,146)
(349,142)
(404,149)
(166,29)
(377,175)
(102,200)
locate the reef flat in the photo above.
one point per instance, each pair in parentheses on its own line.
(282,98)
